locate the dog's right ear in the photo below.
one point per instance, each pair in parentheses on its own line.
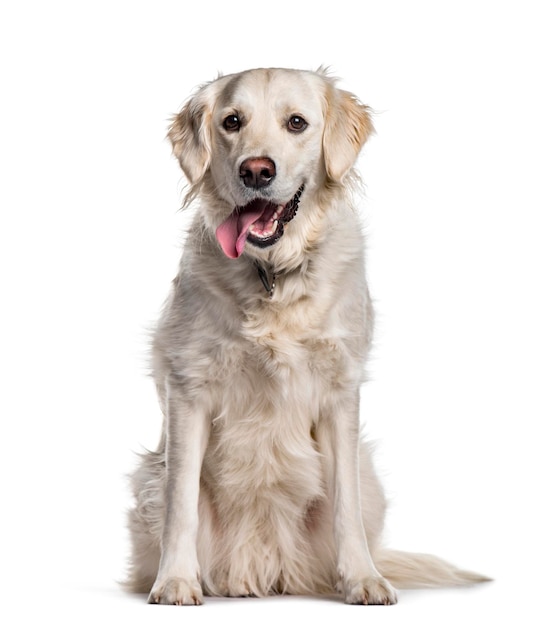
(189,134)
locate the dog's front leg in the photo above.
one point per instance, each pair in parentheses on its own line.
(187,429)
(361,582)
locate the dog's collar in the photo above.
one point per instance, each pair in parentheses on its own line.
(268,284)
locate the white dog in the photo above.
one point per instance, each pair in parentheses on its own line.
(260,483)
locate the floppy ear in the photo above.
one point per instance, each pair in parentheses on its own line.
(189,134)
(348,124)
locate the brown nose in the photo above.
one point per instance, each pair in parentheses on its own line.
(257,172)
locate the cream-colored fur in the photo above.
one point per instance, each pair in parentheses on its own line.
(259,484)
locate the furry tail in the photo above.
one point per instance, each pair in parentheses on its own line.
(407,570)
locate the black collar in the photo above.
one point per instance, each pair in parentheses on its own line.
(268,284)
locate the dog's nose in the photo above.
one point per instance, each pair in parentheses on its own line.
(257,172)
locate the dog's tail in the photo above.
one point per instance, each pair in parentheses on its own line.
(407,570)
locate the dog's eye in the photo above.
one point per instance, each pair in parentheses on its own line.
(231,123)
(296,124)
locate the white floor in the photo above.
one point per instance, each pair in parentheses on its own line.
(501,601)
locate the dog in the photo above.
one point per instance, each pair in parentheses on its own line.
(261,483)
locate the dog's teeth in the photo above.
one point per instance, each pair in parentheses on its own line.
(257,232)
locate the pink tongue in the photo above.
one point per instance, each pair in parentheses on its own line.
(233,232)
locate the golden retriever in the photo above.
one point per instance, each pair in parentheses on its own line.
(260,483)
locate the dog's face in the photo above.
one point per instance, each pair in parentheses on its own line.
(254,142)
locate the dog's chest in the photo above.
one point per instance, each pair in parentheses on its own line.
(271,398)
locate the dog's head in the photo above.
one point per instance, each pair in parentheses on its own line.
(252,143)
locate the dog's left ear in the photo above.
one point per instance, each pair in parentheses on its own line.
(347,127)
(189,134)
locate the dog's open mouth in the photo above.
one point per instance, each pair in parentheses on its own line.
(260,222)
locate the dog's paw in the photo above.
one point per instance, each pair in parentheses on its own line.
(236,589)
(178,591)
(371,590)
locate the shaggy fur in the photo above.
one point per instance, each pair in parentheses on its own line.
(259,484)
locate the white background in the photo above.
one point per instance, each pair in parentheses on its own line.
(90,236)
